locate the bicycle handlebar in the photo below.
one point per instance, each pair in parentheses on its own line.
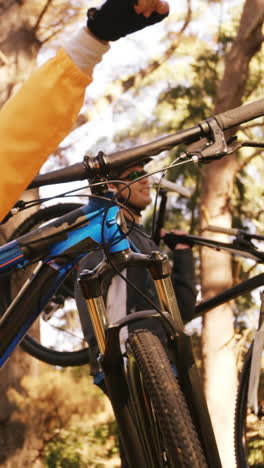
(137,154)
(222,230)
(234,232)
(71,173)
(240,114)
(103,165)
(237,247)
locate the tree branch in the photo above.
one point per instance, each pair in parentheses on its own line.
(53,34)
(249,126)
(42,13)
(248,160)
(132,81)
(252,268)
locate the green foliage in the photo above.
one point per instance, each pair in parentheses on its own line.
(256,452)
(70,423)
(193,100)
(63,452)
(248,193)
(188,102)
(78,373)
(255,77)
(81,446)
(197,348)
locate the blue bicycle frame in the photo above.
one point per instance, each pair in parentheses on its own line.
(103,228)
(61,244)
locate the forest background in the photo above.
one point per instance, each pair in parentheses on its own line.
(205,58)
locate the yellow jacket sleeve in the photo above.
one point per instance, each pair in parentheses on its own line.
(35,121)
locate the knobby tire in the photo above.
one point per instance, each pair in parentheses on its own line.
(175,427)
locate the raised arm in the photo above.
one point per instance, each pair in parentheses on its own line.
(42,113)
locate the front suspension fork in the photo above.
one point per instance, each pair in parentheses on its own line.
(111,360)
(158,265)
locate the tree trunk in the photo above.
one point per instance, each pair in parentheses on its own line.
(18,51)
(25,26)
(219,360)
(19,46)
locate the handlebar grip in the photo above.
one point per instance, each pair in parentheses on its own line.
(235,232)
(222,230)
(240,114)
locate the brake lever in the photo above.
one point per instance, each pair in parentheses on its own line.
(214,149)
(234,145)
(254,144)
(219,146)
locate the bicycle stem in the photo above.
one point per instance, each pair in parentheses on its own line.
(158,265)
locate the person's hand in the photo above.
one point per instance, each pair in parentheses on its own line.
(118,18)
(172,241)
(147,7)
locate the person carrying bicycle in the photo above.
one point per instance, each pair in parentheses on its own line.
(122,299)
(42,113)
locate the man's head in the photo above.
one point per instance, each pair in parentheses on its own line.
(137,196)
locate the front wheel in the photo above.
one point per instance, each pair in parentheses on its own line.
(162,415)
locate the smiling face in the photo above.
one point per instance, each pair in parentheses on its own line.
(139,192)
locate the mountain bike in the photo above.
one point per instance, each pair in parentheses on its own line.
(249,411)
(155,390)
(59,320)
